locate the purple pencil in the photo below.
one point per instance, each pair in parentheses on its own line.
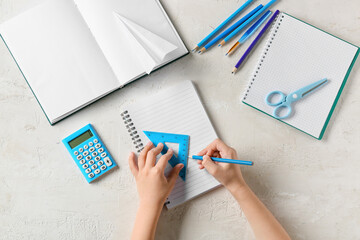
(258,37)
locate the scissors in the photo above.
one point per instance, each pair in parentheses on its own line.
(286,100)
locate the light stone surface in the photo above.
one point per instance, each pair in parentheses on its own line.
(312,187)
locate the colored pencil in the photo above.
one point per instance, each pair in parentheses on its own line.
(242,26)
(258,37)
(224,160)
(249,32)
(223,24)
(230,29)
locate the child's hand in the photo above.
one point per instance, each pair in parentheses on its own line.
(152,185)
(226,173)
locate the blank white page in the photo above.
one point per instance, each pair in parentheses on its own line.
(178,110)
(113,36)
(297,54)
(59,57)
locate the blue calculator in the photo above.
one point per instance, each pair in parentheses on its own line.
(89,153)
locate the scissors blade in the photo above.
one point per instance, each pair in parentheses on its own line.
(311,87)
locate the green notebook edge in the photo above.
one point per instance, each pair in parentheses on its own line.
(338,94)
(22,73)
(52,124)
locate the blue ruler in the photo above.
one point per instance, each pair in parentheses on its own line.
(182,140)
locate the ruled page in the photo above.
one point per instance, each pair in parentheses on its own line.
(178,110)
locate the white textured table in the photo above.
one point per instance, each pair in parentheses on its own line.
(312,187)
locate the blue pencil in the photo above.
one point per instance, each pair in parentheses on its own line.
(258,37)
(232,16)
(224,160)
(249,32)
(230,29)
(242,26)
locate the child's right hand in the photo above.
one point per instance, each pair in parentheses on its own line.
(226,173)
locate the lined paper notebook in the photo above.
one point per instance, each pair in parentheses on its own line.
(295,55)
(175,110)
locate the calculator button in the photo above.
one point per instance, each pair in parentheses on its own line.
(85,166)
(98,145)
(92,149)
(86,153)
(103,154)
(108,161)
(100,150)
(86,147)
(91,175)
(88,170)
(94,166)
(79,157)
(76,153)
(94,154)
(88,157)
(81,150)
(91,162)
(103,167)
(97,158)
(96,141)
(91,144)
(82,161)
(100,163)
(97,171)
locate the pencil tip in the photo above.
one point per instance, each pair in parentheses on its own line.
(202,50)
(195,49)
(226,54)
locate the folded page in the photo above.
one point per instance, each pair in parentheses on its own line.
(153,48)
(113,37)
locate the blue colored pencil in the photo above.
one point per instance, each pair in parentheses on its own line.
(230,29)
(242,26)
(224,160)
(232,16)
(258,37)
(249,32)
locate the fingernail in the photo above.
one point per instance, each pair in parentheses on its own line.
(131,154)
(181,166)
(170,150)
(160,144)
(149,144)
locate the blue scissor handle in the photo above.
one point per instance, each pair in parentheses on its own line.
(283,105)
(273,93)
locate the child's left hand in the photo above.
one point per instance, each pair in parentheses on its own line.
(152,185)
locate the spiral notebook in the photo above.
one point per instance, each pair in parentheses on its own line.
(295,55)
(175,110)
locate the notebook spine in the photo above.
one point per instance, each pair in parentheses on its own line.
(134,135)
(274,29)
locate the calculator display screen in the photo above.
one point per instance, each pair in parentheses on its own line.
(80,139)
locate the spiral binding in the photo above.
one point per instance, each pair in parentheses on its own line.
(134,136)
(132,131)
(273,31)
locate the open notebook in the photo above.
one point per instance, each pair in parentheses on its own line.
(297,54)
(175,110)
(73,52)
